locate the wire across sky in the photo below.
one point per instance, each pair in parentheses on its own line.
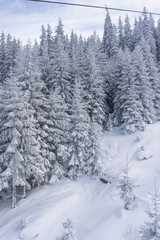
(93,6)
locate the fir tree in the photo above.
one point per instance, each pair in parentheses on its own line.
(78,135)
(44,55)
(128,98)
(126,187)
(109,42)
(145,91)
(96,94)
(69,233)
(158,40)
(120,34)
(128,38)
(93,163)
(148,32)
(152,70)
(151,228)
(58,125)
(59,66)
(11,158)
(2,57)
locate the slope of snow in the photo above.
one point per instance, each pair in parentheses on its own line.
(95,207)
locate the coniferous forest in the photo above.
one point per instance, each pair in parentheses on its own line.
(57,96)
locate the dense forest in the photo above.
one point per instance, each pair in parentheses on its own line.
(57,96)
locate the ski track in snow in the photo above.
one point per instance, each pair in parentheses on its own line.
(94,207)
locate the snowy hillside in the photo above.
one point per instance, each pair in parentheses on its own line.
(95,207)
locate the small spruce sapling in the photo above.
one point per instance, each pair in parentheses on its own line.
(126,188)
(131,233)
(151,228)
(23,223)
(69,233)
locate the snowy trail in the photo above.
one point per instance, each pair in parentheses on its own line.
(94,207)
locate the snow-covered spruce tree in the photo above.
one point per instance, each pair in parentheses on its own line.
(137,33)
(158,41)
(153,73)
(78,135)
(2,57)
(49,40)
(120,34)
(128,38)
(94,42)
(29,75)
(73,53)
(117,76)
(82,71)
(59,72)
(58,126)
(107,67)
(96,94)
(131,233)
(12,49)
(151,228)
(126,187)
(73,57)
(11,158)
(148,32)
(109,41)
(44,55)
(39,103)
(69,232)
(93,152)
(128,96)
(145,90)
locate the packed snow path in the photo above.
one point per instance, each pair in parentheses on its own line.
(95,207)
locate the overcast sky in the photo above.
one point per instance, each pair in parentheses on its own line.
(23,19)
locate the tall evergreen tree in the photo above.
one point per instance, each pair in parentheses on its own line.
(120,34)
(128,106)
(2,57)
(109,41)
(59,66)
(93,163)
(11,158)
(158,40)
(44,55)
(152,70)
(137,32)
(128,38)
(146,91)
(78,135)
(148,32)
(58,126)
(96,94)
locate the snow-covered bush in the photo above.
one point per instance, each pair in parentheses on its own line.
(126,187)
(137,139)
(69,232)
(107,177)
(23,223)
(143,154)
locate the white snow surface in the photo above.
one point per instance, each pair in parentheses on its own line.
(95,207)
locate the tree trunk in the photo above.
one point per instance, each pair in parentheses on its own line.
(13,195)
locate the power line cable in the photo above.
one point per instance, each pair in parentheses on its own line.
(93,6)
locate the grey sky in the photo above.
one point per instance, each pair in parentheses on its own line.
(23,19)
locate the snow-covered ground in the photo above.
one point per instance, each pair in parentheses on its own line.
(95,207)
